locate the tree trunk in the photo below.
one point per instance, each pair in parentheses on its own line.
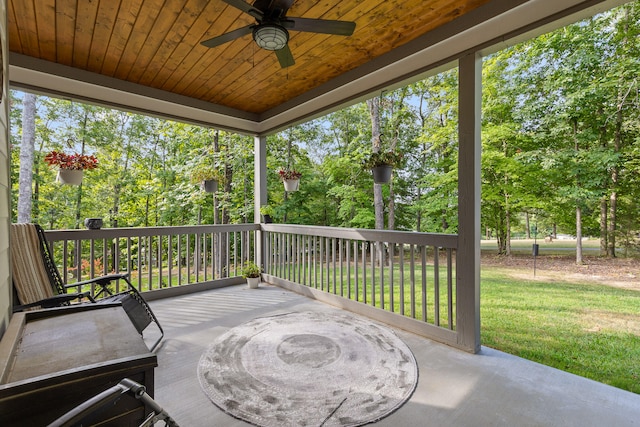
(217,254)
(79,191)
(579,259)
(507,224)
(216,204)
(603,226)
(26,158)
(378,204)
(197,251)
(613,198)
(226,217)
(528,224)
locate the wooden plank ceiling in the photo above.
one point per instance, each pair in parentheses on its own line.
(156,43)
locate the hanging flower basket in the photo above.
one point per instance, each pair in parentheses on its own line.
(382,174)
(290,178)
(69,176)
(71,166)
(291,184)
(381,164)
(209,185)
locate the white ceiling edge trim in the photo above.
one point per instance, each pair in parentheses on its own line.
(76,85)
(439,56)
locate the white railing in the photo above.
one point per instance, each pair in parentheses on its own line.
(404,273)
(155,257)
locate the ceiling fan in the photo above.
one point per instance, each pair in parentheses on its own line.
(271,29)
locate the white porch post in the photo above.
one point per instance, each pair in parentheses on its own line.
(259,188)
(468,259)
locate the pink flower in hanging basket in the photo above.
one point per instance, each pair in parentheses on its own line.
(71,161)
(287,174)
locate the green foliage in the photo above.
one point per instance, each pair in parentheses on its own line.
(205,174)
(382,158)
(250,269)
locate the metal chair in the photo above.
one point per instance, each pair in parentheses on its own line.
(109,398)
(38,284)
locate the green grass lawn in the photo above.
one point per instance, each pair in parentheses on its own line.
(589,330)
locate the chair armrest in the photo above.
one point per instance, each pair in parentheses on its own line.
(54,301)
(102,280)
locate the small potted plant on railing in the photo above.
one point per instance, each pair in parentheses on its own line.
(381,164)
(251,271)
(71,166)
(290,178)
(267,213)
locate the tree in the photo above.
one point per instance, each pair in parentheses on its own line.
(26,157)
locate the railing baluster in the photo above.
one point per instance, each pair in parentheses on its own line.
(375,257)
(392,284)
(188,256)
(348,248)
(295,246)
(356,247)
(423,253)
(170,261)
(160,258)
(401,264)
(105,258)
(436,285)
(412,278)
(333,263)
(313,275)
(139,261)
(129,259)
(321,262)
(226,269)
(92,258)
(364,271)
(383,261)
(450,288)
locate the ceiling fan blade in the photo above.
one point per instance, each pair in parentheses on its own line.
(227,37)
(285,57)
(246,8)
(324,26)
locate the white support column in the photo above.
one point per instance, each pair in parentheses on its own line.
(468,259)
(259,187)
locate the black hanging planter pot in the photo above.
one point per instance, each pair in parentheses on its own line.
(382,174)
(210,185)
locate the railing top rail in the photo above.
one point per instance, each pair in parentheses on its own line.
(391,236)
(106,233)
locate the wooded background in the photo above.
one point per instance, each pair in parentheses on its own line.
(560,141)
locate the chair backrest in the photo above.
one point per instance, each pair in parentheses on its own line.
(31,279)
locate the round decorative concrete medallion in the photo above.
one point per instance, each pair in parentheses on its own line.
(308,369)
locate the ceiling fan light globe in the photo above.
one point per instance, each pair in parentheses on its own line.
(270,36)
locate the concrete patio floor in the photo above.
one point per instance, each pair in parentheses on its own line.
(454,388)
